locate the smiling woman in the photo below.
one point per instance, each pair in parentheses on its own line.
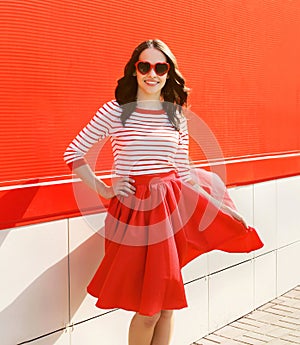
(154,225)
(150,83)
(168,86)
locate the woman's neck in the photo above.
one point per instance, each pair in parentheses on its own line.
(149,104)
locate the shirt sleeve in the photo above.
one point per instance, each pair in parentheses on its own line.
(97,129)
(182,161)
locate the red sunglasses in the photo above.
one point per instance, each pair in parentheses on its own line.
(160,68)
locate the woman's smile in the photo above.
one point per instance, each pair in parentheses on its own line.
(151,82)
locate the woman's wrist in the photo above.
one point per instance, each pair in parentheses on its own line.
(102,189)
(214,201)
(197,187)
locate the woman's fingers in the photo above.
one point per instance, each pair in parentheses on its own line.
(235,215)
(242,220)
(123,186)
(130,186)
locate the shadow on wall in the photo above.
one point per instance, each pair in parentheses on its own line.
(14,204)
(43,298)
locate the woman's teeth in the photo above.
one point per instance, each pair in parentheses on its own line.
(151,82)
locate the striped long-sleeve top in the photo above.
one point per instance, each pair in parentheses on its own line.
(147,144)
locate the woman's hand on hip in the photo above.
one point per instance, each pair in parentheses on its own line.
(120,186)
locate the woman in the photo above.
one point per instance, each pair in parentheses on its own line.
(153,225)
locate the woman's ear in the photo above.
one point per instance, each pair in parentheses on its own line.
(134,73)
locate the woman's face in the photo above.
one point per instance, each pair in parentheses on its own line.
(150,84)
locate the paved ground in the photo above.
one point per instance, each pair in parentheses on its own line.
(275,323)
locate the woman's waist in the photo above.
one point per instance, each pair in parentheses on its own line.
(152,177)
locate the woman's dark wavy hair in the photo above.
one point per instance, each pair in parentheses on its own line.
(174,93)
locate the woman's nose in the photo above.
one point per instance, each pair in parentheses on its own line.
(152,73)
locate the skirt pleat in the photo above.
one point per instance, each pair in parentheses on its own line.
(151,235)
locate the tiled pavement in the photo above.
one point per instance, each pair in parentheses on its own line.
(275,323)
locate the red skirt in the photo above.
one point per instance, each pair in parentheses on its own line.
(151,235)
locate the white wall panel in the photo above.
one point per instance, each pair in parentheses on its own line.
(196,269)
(34,281)
(86,252)
(107,329)
(264,278)
(265,215)
(192,323)
(56,338)
(218,260)
(288,268)
(243,199)
(231,294)
(34,274)
(288,199)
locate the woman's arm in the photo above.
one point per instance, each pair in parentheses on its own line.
(183,167)
(219,204)
(98,128)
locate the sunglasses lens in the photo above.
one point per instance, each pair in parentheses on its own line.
(143,67)
(161,68)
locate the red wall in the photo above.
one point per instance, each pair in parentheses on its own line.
(60,61)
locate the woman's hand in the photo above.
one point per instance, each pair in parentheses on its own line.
(120,186)
(234,214)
